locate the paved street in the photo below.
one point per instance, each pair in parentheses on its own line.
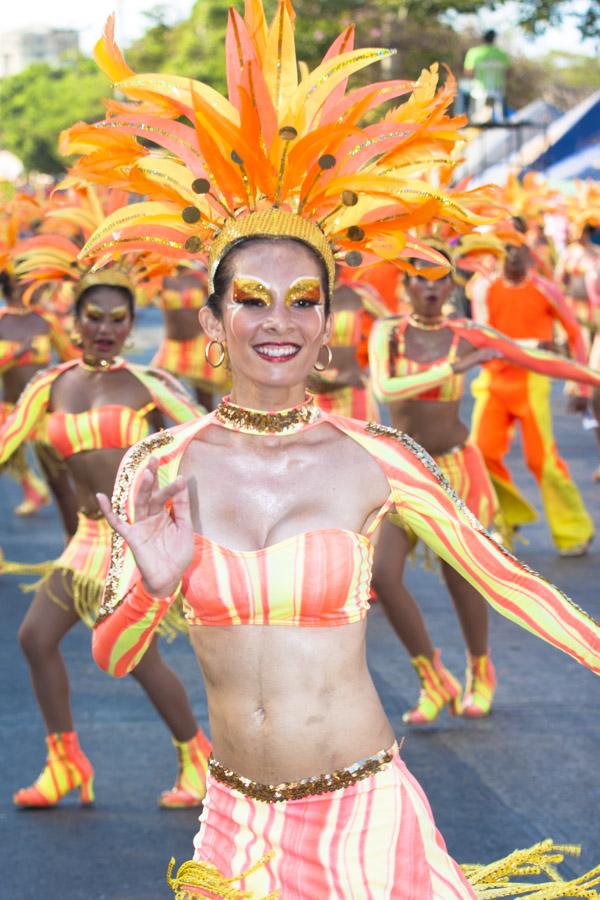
(528,772)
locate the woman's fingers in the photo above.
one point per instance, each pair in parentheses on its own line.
(145,492)
(160,497)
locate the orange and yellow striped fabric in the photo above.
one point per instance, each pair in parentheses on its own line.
(347,328)
(28,418)
(375,838)
(319,578)
(189,298)
(104,428)
(350,401)
(187,359)
(389,387)
(425,503)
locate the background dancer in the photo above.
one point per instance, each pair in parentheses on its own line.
(527,308)
(95,409)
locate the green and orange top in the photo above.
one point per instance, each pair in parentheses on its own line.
(105,427)
(320,578)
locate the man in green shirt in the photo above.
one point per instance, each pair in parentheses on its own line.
(486,65)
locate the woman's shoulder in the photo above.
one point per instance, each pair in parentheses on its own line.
(392,448)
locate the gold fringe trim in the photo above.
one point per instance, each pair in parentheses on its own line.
(494,880)
(195,878)
(86,594)
(17,568)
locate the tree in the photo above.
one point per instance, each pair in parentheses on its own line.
(40,101)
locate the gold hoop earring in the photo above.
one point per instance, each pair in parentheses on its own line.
(214,365)
(129,344)
(76,340)
(329,360)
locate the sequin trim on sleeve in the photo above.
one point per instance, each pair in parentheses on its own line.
(131,464)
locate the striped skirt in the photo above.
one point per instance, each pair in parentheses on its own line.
(373,839)
(466,471)
(186,359)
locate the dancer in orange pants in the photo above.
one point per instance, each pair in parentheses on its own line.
(527,308)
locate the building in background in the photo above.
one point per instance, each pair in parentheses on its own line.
(19,49)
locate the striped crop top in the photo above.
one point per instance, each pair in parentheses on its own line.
(347,328)
(107,427)
(189,298)
(401,365)
(315,579)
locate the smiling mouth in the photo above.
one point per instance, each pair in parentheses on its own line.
(277,353)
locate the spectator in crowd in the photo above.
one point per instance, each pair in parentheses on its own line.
(486,66)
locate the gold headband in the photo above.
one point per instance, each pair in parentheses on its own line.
(271,223)
(103,278)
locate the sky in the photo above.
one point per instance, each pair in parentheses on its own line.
(89,17)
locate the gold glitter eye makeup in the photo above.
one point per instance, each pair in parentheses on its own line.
(308,289)
(246,290)
(93,312)
(119,313)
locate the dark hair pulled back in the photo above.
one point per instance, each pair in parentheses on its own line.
(224,274)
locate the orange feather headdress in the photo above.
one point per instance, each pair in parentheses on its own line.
(69,220)
(278,157)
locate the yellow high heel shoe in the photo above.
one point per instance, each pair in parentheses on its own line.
(190,785)
(67,768)
(439,688)
(480,687)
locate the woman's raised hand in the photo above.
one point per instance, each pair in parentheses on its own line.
(160,539)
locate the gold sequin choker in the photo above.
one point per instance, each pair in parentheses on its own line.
(425,324)
(256,421)
(306,787)
(101,365)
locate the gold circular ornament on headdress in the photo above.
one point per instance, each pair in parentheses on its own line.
(271,223)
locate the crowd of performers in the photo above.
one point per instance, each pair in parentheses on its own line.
(289,247)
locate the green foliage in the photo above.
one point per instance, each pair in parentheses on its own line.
(40,101)
(536,15)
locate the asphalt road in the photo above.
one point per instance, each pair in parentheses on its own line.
(527,772)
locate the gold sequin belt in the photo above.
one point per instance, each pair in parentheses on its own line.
(306,787)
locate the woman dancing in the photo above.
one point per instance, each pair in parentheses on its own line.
(94,409)
(272,549)
(417,365)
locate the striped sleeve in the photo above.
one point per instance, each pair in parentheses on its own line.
(432,510)
(169,395)
(541,361)
(389,388)
(129,617)
(30,408)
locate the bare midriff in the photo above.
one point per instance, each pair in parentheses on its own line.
(94,472)
(433,424)
(182,324)
(287,702)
